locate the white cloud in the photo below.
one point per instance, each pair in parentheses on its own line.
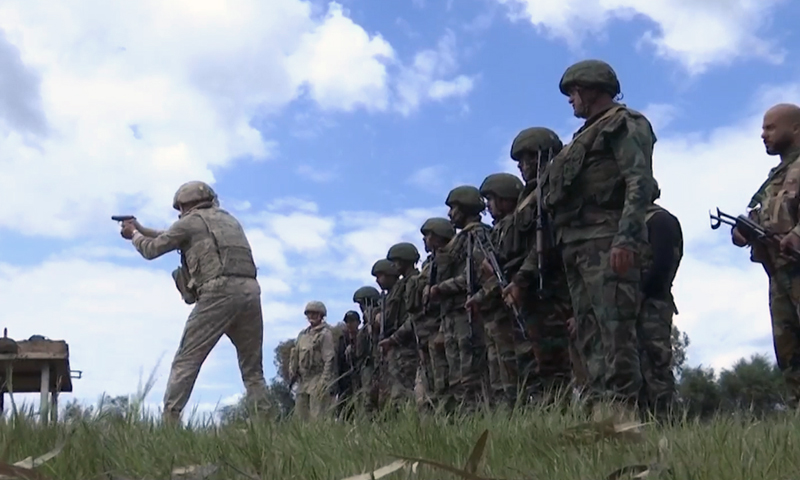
(430,178)
(316,174)
(139,97)
(696,34)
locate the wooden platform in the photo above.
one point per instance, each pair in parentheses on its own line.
(39,366)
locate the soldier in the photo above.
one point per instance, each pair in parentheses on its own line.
(502,332)
(598,189)
(313,364)
(387,277)
(401,350)
(346,356)
(367,298)
(655,321)
(540,291)
(775,207)
(463,332)
(218,276)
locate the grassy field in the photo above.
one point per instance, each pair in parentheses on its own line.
(526,445)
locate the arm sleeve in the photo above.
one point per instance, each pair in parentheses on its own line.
(329,358)
(633,151)
(168,241)
(661,230)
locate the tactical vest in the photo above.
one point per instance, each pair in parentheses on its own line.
(781,201)
(221,251)
(584,175)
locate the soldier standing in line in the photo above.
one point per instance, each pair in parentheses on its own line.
(218,276)
(313,365)
(464,335)
(346,355)
(598,189)
(504,337)
(386,276)
(368,299)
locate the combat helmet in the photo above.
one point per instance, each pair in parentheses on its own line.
(590,73)
(351,316)
(533,140)
(194,191)
(403,251)
(316,306)
(385,267)
(467,197)
(502,185)
(366,293)
(438,226)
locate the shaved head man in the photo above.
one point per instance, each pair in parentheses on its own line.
(776,207)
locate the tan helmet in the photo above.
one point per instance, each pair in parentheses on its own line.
(316,306)
(194,191)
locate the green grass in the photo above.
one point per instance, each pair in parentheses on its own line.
(526,445)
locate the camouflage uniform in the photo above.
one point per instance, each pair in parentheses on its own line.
(504,338)
(775,207)
(314,366)
(654,329)
(382,381)
(346,356)
(424,321)
(546,302)
(402,356)
(464,336)
(367,298)
(598,190)
(218,276)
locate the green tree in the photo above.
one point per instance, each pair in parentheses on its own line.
(699,392)
(680,345)
(754,384)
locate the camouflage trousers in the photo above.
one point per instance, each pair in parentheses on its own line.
(366,396)
(401,365)
(465,347)
(501,354)
(784,302)
(432,371)
(313,401)
(606,309)
(226,306)
(654,332)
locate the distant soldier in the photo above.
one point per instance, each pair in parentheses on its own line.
(368,299)
(464,334)
(775,207)
(540,291)
(598,189)
(346,356)
(313,365)
(387,277)
(401,349)
(503,334)
(655,321)
(218,276)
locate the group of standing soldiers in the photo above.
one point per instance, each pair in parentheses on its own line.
(570,286)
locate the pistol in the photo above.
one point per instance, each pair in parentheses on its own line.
(122,218)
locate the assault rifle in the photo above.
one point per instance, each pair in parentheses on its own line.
(539,222)
(470,280)
(751,231)
(489,252)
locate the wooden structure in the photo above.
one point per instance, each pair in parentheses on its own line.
(38,366)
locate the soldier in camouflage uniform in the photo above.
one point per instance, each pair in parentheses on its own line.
(598,189)
(401,350)
(541,292)
(775,207)
(655,321)
(218,276)
(505,338)
(464,336)
(387,277)
(313,365)
(346,357)
(368,299)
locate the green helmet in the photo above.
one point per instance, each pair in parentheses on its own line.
(351,316)
(316,306)
(366,293)
(385,267)
(194,191)
(590,73)
(535,139)
(403,251)
(467,197)
(438,226)
(502,185)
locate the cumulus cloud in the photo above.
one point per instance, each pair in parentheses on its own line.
(696,34)
(139,97)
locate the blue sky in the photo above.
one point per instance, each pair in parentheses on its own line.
(332,130)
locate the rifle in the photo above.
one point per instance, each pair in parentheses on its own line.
(470,280)
(488,250)
(539,223)
(751,231)
(122,218)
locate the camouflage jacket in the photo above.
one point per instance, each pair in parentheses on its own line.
(451,264)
